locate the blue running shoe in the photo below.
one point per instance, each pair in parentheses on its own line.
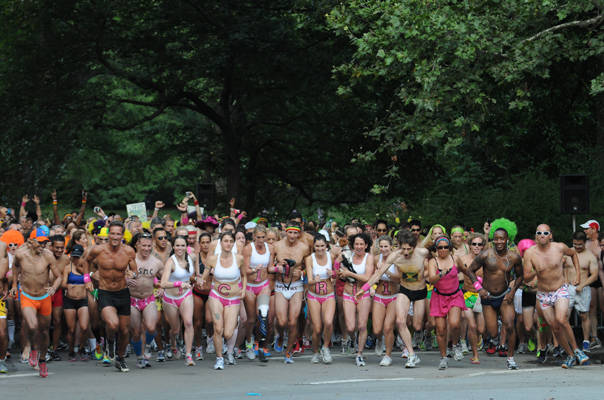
(569,363)
(581,357)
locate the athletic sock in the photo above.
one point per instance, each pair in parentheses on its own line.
(138,347)
(149,338)
(11,330)
(92,343)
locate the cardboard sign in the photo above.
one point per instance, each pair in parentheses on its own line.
(138,209)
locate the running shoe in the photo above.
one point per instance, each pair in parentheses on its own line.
(120,364)
(140,363)
(256,346)
(569,363)
(161,356)
(557,352)
(386,361)
(238,353)
(491,349)
(98,352)
(511,364)
(288,359)
(147,353)
(210,347)
(62,346)
(305,344)
(262,355)
(278,347)
(147,363)
(267,353)
(219,363)
(464,347)
(199,353)
(48,357)
(541,356)
(359,361)
(531,346)
(596,344)
(298,349)
(72,357)
(106,360)
(54,356)
(230,358)
(315,358)
(43,369)
(502,351)
(3,367)
(522,348)
(475,361)
(582,359)
(84,356)
(326,355)
(189,360)
(457,353)
(33,358)
(379,350)
(444,363)
(249,351)
(345,346)
(405,353)
(428,341)
(412,361)
(169,354)
(176,353)
(586,346)
(369,343)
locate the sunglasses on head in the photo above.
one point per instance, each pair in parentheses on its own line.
(544,233)
(146,236)
(443,247)
(477,244)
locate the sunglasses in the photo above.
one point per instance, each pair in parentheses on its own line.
(443,247)
(477,244)
(161,237)
(415,230)
(381,230)
(544,233)
(13,245)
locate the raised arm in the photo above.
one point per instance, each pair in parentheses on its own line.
(80,216)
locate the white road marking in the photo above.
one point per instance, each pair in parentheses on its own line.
(22,375)
(357,381)
(508,371)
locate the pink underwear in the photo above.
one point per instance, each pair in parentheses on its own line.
(141,304)
(385,300)
(224,301)
(320,299)
(256,288)
(176,301)
(353,299)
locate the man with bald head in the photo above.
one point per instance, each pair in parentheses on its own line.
(546,261)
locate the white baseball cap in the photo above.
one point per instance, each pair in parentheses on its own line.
(592,223)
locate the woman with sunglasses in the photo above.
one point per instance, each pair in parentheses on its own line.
(228,288)
(356,310)
(473,315)
(447,301)
(178,300)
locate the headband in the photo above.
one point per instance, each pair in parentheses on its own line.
(440,239)
(457,229)
(293,228)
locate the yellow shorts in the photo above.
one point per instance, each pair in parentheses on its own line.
(158,302)
(2,309)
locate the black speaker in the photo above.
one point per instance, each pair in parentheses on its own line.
(574,194)
(206,195)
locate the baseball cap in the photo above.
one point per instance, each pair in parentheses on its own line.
(250,225)
(592,223)
(77,251)
(39,234)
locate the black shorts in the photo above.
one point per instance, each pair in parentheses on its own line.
(71,304)
(203,296)
(119,299)
(495,300)
(414,295)
(596,284)
(529,299)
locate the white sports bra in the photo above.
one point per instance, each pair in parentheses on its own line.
(391,269)
(360,268)
(218,249)
(259,260)
(179,273)
(321,270)
(229,274)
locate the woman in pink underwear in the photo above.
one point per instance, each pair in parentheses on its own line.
(228,288)
(384,303)
(200,295)
(447,301)
(176,279)
(321,298)
(356,274)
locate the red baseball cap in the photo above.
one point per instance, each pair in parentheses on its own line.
(592,223)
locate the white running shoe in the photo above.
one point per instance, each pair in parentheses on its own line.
(210,346)
(464,347)
(457,353)
(412,361)
(219,363)
(359,361)
(386,361)
(443,363)
(405,353)
(315,358)
(230,359)
(199,353)
(326,355)
(345,346)
(249,351)
(379,350)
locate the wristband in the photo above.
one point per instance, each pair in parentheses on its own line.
(177,284)
(477,285)
(23,204)
(365,287)
(155,281)
(196,202)
(86,278)
(54,202)
(336,265)
(374,287)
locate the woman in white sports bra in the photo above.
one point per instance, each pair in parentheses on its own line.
(257,256)
(362,264)
(383,314)
(179,270)
(228,288)
(321,298)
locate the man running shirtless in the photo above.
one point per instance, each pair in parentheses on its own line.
(496,293)
(410,262)
(161,244)
(31,266)
(116,262)
(545,260)
(289,286)
(143,310)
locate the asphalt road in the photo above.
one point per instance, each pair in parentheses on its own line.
(302,380)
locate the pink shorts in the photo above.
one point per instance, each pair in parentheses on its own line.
(385,300)
(440,304)
(223,300)
(549,299)
(176,301)
(320,299)
(353,299)
(141,304)
(256,288)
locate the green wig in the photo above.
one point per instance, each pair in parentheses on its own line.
(505,224)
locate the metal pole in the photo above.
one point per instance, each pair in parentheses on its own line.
(574,223)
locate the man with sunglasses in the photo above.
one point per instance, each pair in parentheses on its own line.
(497,295)
(591,229)
(473,313)
(161,245)
(545,260)
(416,229)
(143,311)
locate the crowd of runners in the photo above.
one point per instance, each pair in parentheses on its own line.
(105,287)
